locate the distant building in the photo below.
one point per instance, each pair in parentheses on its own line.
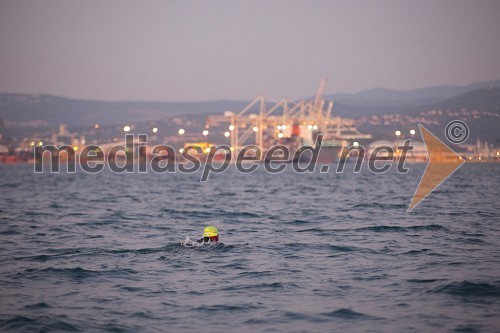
(4,149)
(64,137)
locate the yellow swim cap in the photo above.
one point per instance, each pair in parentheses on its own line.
(210,231)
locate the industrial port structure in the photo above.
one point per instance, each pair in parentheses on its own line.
(265,122)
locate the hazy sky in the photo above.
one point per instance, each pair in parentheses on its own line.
(204,50)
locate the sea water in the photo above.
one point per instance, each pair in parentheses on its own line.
(313,252)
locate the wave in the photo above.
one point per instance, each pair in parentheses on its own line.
(299,222)
(324,246)
(379,205)
(11,185)
(271,286)
(470,289)
(386,228)
(428,252)
(139,251)
(423,280)
(65,252)
(37,306)
(463,240)
(248,214)
(467,329)
(76,272)
(210,214)
(36,324)
(57,254)
(186,213)
(339,248)
(320,231)
(227,308)
(345,313)
(9,232)
(56,206)
(54,324)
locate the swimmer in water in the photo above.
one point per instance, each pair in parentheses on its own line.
(210,235)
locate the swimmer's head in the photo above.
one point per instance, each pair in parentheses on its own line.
(211,233)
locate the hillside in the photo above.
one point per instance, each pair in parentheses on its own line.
(21,108)
(24,114)
(479,109)
(485,99)
(382,97)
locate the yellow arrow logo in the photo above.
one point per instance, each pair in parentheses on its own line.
(443,161)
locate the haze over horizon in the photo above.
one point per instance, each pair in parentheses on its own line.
(197,51)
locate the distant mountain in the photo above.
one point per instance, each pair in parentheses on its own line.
(356,111)
(485,99)
(74,112)
(23,114)
(479,109)
(20,108)
(382,97)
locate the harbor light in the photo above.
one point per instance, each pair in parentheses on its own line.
(182,131)
(227,134)
(231,127)
(126,128)
(155,130)
(255,128)
(412,132)
(205,132)
(280,135)
(398,133)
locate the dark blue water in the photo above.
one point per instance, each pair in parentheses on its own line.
(300,253)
